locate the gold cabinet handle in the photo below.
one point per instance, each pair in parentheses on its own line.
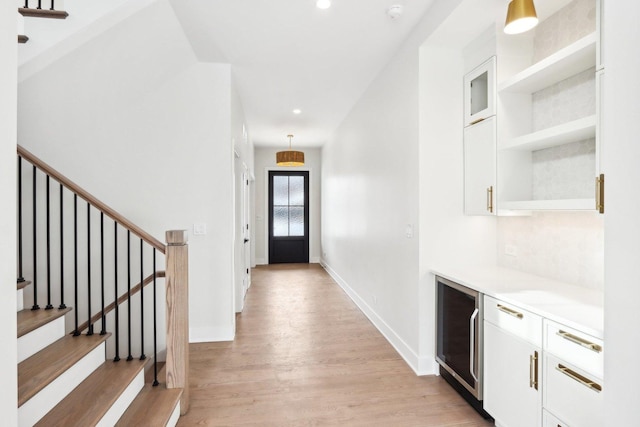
(490,199)
(510,312)
(580,341)
(476,121)
(533,370)
(579,378)
(600,193)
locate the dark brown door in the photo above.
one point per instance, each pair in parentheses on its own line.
(288,217)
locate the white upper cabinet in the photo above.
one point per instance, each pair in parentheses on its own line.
(480,167)
(480,92)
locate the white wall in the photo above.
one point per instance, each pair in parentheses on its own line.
(132,117)
(265,160)
(371,199)
(621,153)
(8,89)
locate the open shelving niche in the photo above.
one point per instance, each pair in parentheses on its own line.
(515,152)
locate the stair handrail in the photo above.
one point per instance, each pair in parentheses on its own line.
(89,198)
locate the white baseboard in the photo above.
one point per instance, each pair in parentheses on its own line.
(261,261)
(210,335)
(420,365)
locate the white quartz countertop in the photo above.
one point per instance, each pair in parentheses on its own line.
(571,305)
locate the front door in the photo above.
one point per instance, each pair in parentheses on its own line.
(288,217)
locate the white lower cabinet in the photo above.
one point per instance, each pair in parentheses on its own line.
(550,420)
(572,394)
(512,394)
(538,372)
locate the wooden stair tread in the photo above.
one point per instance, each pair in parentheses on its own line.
(42,13)
(30,320)
(22,39)
(152,407)
(24,283)
(39,370)
(90,401)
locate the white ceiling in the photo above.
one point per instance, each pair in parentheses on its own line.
(287,54)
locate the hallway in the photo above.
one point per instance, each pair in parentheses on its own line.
(304,355)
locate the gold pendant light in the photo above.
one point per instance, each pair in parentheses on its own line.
(521,17)
(290,157)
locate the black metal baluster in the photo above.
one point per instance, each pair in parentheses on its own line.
(20,276)
(26,4)
(155,321)
(142,355)
(52,5)
(39,4)
(115,286)
(103,330)
(129,357)
(90,329)
(49,306)
(62,304)
(35,246)
(76,332)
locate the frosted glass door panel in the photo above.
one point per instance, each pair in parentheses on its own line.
(296,221)
(296,191)
(280,221)
(280,190)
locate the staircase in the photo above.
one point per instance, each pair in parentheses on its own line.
(70,370)
(36,9)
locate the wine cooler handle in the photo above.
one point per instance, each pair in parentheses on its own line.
(472,343)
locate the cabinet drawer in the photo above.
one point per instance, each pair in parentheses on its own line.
(519,322)
(550,420)
(575,347)
(571,394)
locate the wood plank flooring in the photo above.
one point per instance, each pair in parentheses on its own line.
(304,355)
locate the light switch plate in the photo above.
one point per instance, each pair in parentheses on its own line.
(199,229)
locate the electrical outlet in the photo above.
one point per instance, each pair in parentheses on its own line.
(510,250)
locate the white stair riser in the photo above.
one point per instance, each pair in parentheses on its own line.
(173,421)
(120,406)
(38,406)
(34,341)
(20,299)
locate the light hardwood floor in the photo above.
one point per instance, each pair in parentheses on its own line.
(304,355)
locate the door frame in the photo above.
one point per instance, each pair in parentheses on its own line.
(266,206)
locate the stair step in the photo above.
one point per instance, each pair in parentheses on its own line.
(43,13)
(30,320)
(154,406)
(88,403)
(39,370)
(24,283)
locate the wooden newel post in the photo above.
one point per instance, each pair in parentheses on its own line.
(177,283)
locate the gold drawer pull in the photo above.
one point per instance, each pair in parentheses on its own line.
(580,341)
(577,377)
(510,312)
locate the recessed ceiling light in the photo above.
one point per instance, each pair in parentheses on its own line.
(323,4)
(297,111)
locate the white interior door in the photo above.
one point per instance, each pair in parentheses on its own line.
(246,280)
